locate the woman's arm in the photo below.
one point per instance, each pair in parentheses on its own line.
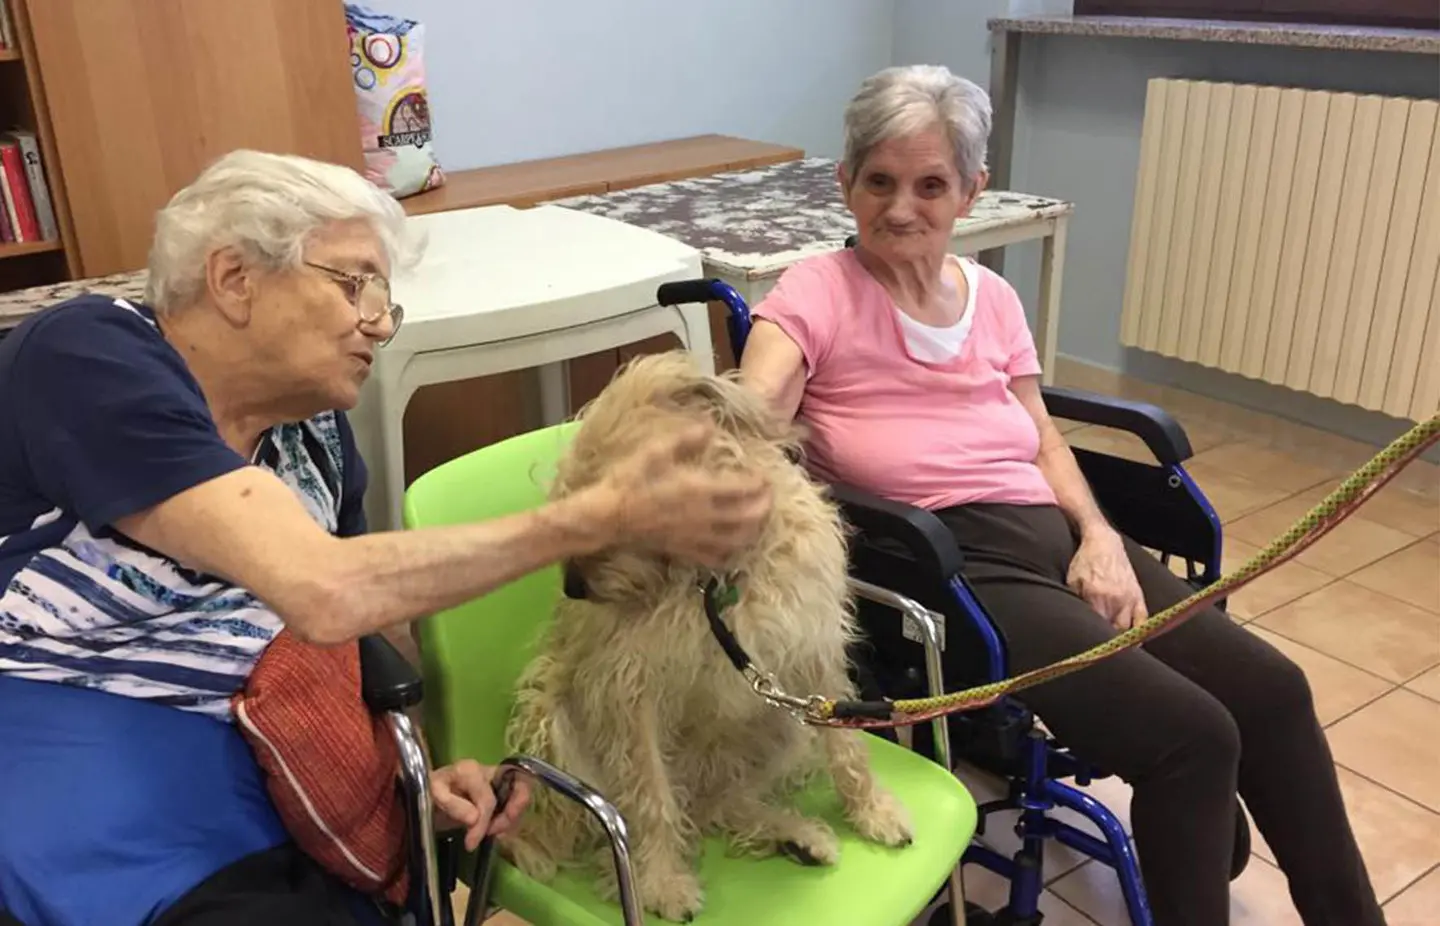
(1058,465)
(1100,571)
(773,366)
(248,527)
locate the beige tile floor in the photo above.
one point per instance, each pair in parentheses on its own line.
(1359,612)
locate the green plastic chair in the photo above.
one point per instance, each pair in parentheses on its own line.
(473,655)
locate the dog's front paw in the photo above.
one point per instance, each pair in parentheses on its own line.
(884,820)
(676,896)
(810,842)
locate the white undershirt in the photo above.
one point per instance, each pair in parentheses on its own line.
(938,345)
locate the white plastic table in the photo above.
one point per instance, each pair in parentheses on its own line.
(502,289)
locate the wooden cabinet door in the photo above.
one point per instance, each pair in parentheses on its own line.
(144,93)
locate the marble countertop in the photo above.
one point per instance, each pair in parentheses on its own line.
(1351,38)
(755,223)
(17,304)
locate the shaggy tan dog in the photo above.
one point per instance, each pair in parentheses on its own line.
(632,693)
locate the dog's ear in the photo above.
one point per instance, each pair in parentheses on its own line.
(617,576)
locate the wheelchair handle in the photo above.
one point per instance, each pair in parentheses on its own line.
(712,290)
(578,791)
(484,875)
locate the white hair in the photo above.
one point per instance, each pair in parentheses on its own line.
(901,101)
(267,205)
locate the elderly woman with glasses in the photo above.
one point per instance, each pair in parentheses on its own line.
(916,376)
(178,483)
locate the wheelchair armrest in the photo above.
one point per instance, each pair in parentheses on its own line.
(1161,433)
(387,681)
(923,535)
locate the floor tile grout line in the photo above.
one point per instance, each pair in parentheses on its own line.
(1423,875)
(1074,909)
(1425,671)
(1384,787)
(1349,577)
(1422,694)
(1346,662)
(1351,713)
(1084,860)
(1294,495)
(1414,543)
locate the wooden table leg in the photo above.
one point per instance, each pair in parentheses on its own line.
(1047,323)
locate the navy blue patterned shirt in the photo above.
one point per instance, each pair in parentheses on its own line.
(100,418)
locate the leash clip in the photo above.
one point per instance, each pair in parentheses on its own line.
(803,710)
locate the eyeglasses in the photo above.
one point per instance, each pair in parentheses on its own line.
(369,293)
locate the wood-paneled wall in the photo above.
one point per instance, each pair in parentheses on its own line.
(144,93)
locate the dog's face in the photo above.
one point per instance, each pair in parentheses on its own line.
(649,397)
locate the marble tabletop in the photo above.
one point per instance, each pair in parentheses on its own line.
(749,223)
(755,223)
(17,304)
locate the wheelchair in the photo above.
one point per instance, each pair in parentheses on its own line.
(911,551)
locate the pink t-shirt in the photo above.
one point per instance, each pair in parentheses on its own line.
(927,434)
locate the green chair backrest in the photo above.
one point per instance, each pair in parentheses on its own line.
(472,655)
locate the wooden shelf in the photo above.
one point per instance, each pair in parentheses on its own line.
(9,54)
(27,247)
(527,183)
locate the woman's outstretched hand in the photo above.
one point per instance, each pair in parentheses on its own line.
(1101,574)
(663,499)
(464,795)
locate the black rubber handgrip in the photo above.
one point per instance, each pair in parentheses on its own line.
(687,291)
(387,681)
(484,874)
(1162,434)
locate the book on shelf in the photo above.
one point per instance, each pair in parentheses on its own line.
(7,27)
(28,213)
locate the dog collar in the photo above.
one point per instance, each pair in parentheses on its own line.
(720,596)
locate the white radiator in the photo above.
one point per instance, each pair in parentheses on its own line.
(1291,236)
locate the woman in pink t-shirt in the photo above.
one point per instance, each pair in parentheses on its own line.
(917,378)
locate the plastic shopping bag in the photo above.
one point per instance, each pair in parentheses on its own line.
(387,57)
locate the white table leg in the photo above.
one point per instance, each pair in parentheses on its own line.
(392,503)
(696,319)
(554,392)
(1052,271)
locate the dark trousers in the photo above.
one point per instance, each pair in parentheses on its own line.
(1197,715)
(278,887)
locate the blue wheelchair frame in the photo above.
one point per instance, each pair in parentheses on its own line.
(1158,506)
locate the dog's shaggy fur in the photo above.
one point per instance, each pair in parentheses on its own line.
(632,693)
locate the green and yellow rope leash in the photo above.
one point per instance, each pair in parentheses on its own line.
(1320,520)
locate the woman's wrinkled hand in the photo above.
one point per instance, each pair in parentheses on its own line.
(1101,574)
(464,797)
(665,500)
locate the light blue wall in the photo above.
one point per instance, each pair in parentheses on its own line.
(512,81)
(947,32)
